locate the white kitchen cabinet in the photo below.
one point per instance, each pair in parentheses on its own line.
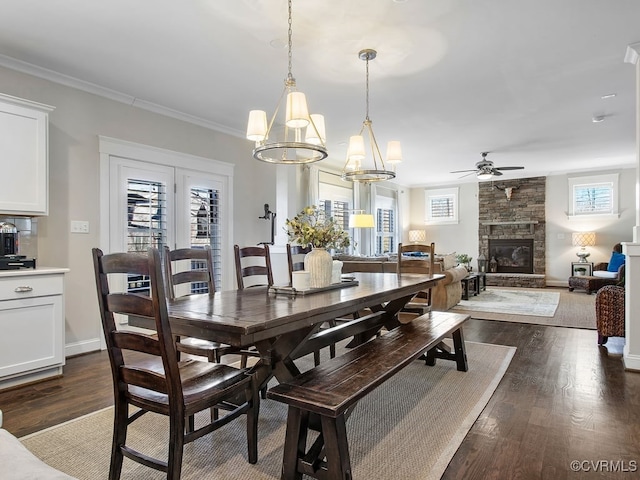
(31,325)
(24,156)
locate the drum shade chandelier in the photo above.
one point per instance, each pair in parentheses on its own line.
(355,169)
(298,137)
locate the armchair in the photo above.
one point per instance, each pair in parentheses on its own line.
(609,313)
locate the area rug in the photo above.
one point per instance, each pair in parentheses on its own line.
(410,427)
(575,309)
(534,302)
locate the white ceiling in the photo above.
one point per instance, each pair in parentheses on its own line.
(521,79)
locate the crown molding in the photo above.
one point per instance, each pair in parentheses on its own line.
(66,80)
(632,54)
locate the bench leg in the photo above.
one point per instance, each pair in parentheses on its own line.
(336,448)
(460,353)
(295,443)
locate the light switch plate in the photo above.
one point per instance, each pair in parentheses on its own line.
(79,226)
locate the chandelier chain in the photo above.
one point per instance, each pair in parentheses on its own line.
(290,43)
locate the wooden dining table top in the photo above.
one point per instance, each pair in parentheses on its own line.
(245,317)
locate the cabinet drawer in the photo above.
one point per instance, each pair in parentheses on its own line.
(28,286)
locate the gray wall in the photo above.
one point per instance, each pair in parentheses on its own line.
(74,127)
(463,237)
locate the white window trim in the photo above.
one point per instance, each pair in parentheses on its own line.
(442,192)
(612,178)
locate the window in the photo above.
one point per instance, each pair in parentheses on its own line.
(441,206)
(335,198)
(593,195)
(386,211)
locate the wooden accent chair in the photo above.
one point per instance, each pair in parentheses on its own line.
(296,263)
(421,302)
(253,263)
(199,276)
(610,313)
(147,374)
(294,252)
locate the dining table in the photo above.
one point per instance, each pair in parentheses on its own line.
(279,322)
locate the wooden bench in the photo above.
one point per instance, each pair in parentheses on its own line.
(332,389)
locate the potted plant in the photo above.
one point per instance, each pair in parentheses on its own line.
(465,259)
(580,271)
(312,227)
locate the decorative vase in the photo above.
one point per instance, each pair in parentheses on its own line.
(319,264)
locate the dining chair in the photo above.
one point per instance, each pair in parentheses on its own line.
(421,260)
(295,258)
(190,271)
(147,374)
(296,264)
(253,266)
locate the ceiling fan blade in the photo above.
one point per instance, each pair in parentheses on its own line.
(496,172)
(463,171)
(509,168)
(472,172)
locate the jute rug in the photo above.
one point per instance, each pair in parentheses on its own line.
(408,428)
(573,309)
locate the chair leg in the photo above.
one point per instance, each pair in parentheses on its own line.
(121,414)
(602,339)
(252,423)
(176,444)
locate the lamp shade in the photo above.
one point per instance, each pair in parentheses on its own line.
(315,130)
(361,220)
(257,126)
(394,152)
(417,236)
(355,152)
(583,239)
(297,111)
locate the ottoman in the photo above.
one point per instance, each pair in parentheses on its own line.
(589,283)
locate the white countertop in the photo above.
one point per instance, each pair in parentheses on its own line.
(24,272)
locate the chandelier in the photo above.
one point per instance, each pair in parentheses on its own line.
(300,138)
(354,168)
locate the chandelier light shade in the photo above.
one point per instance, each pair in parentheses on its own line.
(417,236)
(292,135)
(582,240)
(359,168)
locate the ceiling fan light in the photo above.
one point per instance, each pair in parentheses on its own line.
(484,175)
(394,152)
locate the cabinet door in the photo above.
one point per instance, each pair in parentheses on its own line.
(23,153)
(31,336)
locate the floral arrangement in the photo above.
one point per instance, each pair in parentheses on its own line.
(312,226)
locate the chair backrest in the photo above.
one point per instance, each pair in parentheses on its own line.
(189,270)
(254,264)
(417,264)
(295,258)
(142,373)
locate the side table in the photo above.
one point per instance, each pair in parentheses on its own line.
(481,282)
(469,285)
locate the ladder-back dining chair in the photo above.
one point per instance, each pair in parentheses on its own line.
(421,261)
(295,259)
(190,271)
(147,374)
(253,266)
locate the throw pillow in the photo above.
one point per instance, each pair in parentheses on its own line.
(449,261)
(605,274)
(617,259)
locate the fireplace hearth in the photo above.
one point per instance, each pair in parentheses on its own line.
(512,255)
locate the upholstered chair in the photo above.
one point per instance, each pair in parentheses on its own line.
(609,313)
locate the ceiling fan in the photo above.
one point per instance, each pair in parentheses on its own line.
(485,170)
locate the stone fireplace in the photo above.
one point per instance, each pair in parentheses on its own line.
(512,229)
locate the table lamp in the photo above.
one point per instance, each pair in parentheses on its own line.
(583,239)
(417,236)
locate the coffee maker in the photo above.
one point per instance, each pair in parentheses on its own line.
(8,239)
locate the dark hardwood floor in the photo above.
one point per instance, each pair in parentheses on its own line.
(562,399)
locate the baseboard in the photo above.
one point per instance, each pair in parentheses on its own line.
(631,362)
(78,348)
(557,283)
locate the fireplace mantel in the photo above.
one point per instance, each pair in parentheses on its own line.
(531,223)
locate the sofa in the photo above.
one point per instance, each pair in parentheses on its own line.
(446,294)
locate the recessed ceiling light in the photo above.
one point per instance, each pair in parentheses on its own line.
(399,1)
(608,95)
(278,43)
(597,119)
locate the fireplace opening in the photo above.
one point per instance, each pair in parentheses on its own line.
(512,255)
